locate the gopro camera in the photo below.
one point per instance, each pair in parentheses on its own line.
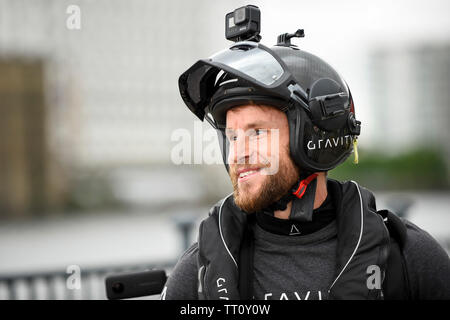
(137,284)
(243,24)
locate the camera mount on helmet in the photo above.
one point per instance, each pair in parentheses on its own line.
(285,38)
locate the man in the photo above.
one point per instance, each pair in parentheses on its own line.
(285,117)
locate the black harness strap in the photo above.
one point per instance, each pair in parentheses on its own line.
(246,262)
(396,283)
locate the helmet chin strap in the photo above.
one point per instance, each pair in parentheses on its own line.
(302,195)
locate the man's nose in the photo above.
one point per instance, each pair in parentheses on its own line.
(242,151)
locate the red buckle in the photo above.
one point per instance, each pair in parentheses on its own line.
(303,184)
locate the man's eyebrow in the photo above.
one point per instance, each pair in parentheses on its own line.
(252,125)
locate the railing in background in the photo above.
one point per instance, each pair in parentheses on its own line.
(53,285)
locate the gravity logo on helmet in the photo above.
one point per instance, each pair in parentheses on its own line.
(329,142)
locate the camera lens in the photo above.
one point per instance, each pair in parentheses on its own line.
(239,15)
(230,22)
(118,287)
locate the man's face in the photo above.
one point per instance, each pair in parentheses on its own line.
(261,168)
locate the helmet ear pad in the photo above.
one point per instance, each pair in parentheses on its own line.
(296,125)
(313,149)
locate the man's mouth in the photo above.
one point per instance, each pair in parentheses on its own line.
(246,174)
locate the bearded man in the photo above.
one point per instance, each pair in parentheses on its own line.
(285,118)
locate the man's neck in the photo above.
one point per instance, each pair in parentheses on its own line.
(321,195)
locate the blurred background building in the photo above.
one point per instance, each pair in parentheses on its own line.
(29,174)
(410,96)
(87,118)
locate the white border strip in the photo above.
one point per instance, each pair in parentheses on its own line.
(360,235)
(220,229)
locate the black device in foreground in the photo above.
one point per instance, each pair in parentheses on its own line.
(137,284)
(243,24)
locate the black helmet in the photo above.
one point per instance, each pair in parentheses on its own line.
(316,100)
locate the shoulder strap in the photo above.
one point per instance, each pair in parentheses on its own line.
(396,282)
(395,226)
(246,264)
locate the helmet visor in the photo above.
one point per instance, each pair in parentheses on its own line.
(251,60)
(252,63)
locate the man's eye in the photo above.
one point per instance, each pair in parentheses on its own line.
(260,131)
